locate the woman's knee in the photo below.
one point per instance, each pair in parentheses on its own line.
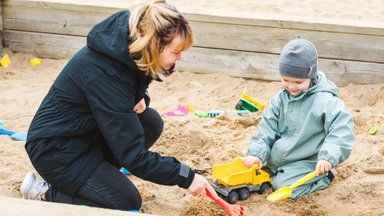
(110,189)
(150,118)
(152,124)
(129,202)
(126,198)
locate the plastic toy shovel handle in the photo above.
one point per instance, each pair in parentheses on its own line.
(231,210)
(6,132)
(218,200)
(301,181)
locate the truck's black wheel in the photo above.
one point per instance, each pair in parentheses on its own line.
(243,193)
(232,197)
(264,188)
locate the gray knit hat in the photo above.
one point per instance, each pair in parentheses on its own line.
(298,59)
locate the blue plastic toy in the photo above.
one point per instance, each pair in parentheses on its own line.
(124,171)
(135,211)
(214,113)
(20,136)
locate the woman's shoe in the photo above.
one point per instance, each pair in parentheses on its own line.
(32,188)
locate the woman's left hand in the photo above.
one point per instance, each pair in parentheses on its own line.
(323,166)
(140,107)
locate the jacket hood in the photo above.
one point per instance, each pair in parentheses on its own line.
(111,38)
(323,85)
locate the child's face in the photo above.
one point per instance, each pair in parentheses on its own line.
(294,85)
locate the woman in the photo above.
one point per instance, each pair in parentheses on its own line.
(95,117)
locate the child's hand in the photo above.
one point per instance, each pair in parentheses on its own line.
(322,167)
(250,160)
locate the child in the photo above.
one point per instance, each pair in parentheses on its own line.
(306,126)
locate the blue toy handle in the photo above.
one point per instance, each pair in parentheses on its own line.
(124,171)
(134,211)
(242,112)
(6,132)
(21,136)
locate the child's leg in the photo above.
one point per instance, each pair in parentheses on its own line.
(292,172)
(106,187)
(310,188)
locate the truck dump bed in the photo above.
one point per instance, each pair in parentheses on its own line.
(234,173)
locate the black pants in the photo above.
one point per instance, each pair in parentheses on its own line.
(107,187)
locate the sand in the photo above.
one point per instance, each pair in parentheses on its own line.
(358,188)
(369,12)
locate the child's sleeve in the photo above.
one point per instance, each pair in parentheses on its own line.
(340,138)
(262,142)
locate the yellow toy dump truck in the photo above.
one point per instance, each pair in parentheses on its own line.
(235,181)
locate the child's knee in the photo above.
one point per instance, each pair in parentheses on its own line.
(278,183)
(304,190)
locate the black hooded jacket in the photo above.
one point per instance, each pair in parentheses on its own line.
(89,108)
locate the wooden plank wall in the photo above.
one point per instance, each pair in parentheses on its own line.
(54,29)
(251,47)
(23,207)
(245,47)
(1,26)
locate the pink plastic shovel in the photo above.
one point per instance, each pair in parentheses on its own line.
(181,110)
(231,210)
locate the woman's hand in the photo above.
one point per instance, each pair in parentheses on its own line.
(199,185)
(140,107)
(322,167)
(250,160)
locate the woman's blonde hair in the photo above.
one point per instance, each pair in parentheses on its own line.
(152,28)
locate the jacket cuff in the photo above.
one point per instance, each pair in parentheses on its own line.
(147,98)
(263,155)
(330,160)
(323,155)
(187,174)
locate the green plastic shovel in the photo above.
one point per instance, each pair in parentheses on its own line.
(286,191)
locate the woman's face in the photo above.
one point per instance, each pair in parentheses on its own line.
(171,53)
(294,85)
